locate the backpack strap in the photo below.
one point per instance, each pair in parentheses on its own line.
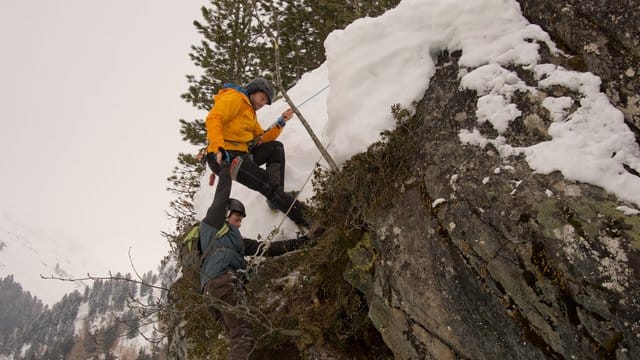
(192,235)
(223,231)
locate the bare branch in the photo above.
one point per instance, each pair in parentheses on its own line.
(110,277)
(132,265)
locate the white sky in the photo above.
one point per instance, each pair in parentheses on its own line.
(89,94)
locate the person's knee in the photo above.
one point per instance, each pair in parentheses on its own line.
(278,146)
(278,152)
(254,181)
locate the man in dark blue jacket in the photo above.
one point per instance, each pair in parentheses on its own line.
(224,250)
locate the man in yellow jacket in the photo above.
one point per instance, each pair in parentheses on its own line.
(235,135)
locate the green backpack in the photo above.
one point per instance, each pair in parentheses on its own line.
(191,254)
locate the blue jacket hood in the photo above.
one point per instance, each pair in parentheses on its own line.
(235,87)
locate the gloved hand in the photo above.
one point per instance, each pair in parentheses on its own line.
(221,155)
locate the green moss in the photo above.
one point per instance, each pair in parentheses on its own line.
(360,279)
(362,255)
(369,181)
(604,216)
(585,217)
(634,233)
(589,218)
(629,225)
(548,217)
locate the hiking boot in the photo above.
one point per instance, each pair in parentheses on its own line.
(274,206)
(287,203)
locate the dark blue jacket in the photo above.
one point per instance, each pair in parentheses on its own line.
(222,253)
(222,245)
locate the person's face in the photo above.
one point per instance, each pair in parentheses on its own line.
(258,99)
(235,219)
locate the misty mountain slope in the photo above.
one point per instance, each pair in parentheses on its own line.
(27,254)
(110,318)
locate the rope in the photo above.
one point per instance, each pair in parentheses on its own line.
(275,231)
(314,95)
(264,246)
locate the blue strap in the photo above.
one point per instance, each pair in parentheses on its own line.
(235,87)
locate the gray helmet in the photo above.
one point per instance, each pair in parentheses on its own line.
(261,84)
(236,205)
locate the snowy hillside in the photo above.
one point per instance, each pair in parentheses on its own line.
(20,256)
(109,318)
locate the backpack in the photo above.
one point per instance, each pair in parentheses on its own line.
(191,253)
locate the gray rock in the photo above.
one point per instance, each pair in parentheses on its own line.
(502,269)
(603,37)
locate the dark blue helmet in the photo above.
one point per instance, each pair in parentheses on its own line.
(236,205)
(261,84)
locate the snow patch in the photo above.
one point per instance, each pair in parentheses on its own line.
(79,324)
(557,106)
(627,210)
(438,202)
(590,145)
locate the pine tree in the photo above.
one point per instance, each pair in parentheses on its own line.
(17,309)
(228,51)
(304,25)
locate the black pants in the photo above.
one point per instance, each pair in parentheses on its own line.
(270,182)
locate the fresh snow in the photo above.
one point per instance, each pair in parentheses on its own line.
(81,316)
(377,62)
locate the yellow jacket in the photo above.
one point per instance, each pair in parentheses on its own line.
(232,123)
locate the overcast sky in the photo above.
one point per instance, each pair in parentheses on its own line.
(89,113)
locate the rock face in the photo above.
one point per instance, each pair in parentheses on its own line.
(605,39)
(508,264)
